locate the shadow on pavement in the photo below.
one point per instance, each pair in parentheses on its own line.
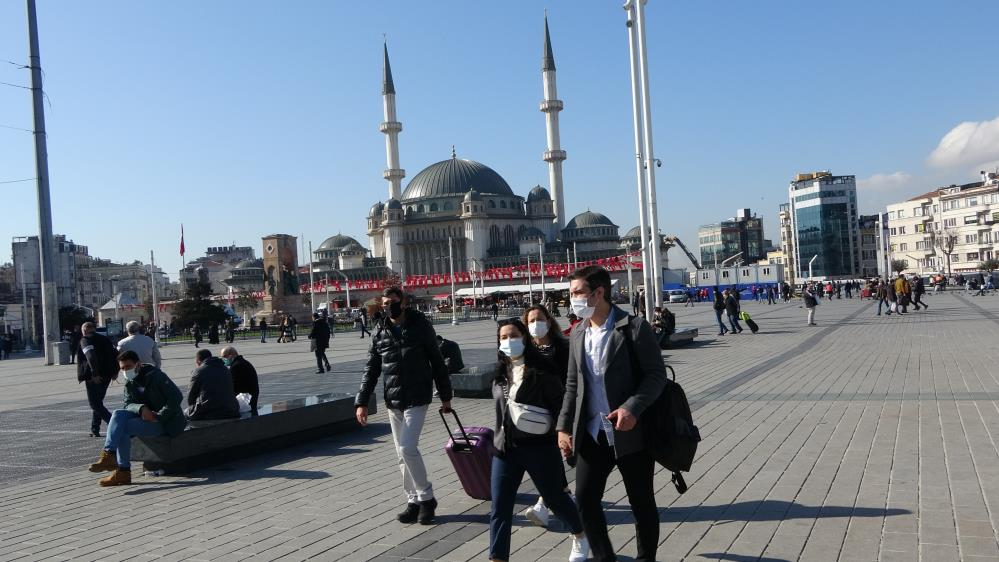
(764,510)
(739,557)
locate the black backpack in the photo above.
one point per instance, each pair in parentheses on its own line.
(668,425)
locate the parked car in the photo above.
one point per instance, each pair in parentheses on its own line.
(677,295)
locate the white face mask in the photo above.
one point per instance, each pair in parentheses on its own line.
(538,328)
(131,373)
(512,347)
(581,309)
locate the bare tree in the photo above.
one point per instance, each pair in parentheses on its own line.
(945,240)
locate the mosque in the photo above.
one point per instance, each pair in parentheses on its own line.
(463,206)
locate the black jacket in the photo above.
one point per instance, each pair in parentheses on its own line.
(719,302)
(541,387)
(558,354)
(321,334)
(731,306)
(409,358)
(244,379)
(452,356)
(211,395)
(96,357)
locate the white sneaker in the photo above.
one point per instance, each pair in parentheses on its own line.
(538,514)
(580,550)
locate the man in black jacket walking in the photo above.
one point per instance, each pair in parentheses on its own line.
(96,365)
(320,336)
(404,350)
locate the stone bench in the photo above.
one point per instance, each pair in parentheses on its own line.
(473,382)
(681,337)
(275,425)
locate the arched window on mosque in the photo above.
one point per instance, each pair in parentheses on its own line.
(447,206)
(508,236)
(521,230)
(419,208)
(433,207)
(503,204)
(494,236)
(492,204)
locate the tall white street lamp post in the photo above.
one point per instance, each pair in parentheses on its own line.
(541,255)
(312,280)
(450,260)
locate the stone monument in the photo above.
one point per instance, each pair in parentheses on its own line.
(281,283)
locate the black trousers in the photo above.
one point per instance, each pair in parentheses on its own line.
(95,396)
(595,461)
(321,358)
(917,300)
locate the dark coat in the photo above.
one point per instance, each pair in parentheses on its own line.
(451,352)
(411,362)
(320,334)
(731,306)
(211,395)
(634,392)
(558,353)
(154,390)
(541,387)
(96,357)
(244,379)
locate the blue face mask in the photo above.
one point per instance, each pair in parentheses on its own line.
(227,361)
(512,348)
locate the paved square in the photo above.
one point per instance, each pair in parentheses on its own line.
(864,438)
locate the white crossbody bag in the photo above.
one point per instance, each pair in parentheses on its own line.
(529,419)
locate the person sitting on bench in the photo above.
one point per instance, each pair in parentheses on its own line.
(452,355)
(211,395)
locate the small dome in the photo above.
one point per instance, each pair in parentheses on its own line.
(635,232)
(532,234)
(393,204)
(455,176)
(376,209)
(472,195)
(538,193)
(589,218)
(336,242)
(354,248)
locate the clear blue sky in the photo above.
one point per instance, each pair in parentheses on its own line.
(244,118)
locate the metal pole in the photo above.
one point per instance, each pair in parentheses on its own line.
(810,266)
(541,253)
(312,280)
(575,256)
(46,247)
(644,233)
(650,159)
(25,334)
(346,281)
(450,261)
(156,301)
(530,283)
(327,286)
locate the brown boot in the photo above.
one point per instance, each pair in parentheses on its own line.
(105,463)
(119,477)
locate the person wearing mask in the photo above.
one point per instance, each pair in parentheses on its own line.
(96,367)
(811,298)
(732,309)
(152,407)
(719,308)
(603,401)
(547,338)
(320,336)
(143,346)
(528,396)
(210,395)
(404,350)
(451,352)
(244,376)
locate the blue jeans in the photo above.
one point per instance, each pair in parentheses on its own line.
(544,465)
(734,321)
(721,325)
(123,426)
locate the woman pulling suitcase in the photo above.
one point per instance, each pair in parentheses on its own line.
(528,395)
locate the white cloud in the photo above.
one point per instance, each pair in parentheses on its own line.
(969,143)
(884,182)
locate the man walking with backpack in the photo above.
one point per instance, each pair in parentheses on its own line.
(604,398)
(96,366)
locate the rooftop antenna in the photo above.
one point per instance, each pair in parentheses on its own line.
(453,153)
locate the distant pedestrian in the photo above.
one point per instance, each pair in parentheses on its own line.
(361,324)
(8,346)
(732,309)
(230,330)
(719,308)
(918,289)
(213,333)
(320,336)
(197,335)
(293,328)
(903,292)
(263,330)
(96,367)
(74,344)
(880,293)
(495,310)
(811,301)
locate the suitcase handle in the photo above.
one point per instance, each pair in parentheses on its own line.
(468,441)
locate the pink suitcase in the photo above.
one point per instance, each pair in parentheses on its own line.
(471,452)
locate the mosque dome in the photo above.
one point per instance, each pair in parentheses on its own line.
(336,242)
(538,193)
(376,209)
(393,204)
(532,233)
(456,176)
(472,195)
(588,219)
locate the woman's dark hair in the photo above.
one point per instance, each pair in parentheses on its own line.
(554,330)
(393,292)
(595,277)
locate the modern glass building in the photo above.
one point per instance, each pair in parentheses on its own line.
(825,225)
(726,239)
